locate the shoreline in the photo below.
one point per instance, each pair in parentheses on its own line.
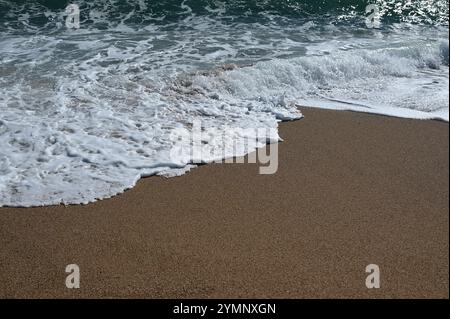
(352,189)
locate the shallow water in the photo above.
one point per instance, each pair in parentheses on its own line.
(85,113)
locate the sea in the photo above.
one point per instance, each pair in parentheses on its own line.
(91,92)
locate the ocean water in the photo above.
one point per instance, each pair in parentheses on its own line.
(85,113)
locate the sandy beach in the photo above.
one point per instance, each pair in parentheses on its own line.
(351,190)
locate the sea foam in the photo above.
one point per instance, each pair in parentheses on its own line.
(85,114)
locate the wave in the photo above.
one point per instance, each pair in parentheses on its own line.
(84,114)
(34,16)
(93,132)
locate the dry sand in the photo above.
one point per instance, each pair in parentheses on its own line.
(352,189)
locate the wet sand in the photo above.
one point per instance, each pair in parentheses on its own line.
(351,190)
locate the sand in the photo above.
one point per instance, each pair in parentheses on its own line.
(351,190)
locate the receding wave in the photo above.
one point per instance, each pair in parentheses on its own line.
(34,15)
(85,113)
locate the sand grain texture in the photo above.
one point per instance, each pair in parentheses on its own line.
(352,189)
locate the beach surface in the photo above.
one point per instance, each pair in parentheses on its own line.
(351,190)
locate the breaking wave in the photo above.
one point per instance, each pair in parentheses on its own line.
(84,114)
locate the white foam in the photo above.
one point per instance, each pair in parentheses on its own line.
(85,114)
(410,81)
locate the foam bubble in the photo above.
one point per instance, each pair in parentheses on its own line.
(85,114)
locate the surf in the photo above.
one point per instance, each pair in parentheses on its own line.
(84,114)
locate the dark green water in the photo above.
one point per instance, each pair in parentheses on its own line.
(86,111)
(48,13)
